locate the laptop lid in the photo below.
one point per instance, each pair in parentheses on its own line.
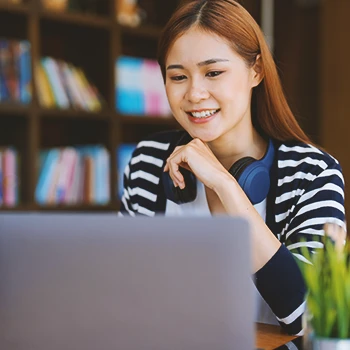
(98,281)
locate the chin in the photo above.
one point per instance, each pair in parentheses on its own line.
(204,136)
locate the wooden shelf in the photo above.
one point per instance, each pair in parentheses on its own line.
(17,208)
(7,109)
(81,19)
(13,8)
(61,208)
(81,207)
(92,42)
(148,31)
(73,114)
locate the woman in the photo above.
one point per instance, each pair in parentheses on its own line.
(224,90)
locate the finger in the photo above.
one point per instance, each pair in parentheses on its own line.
(174,172)
(336,233)
(178,159)
(168,168)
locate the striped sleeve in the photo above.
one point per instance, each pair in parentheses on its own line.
(281,284)
(310,193)
(321,201)
(142,178)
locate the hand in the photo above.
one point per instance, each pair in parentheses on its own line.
(337,234)
(197,157)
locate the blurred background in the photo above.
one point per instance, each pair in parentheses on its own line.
(79,87)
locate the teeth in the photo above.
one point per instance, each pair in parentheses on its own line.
(204,114)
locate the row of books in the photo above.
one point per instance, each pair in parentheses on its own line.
(15,71)
(139,85)
(61,84)
(68,175)
(80,175)
(140,88)
(9,166)
(74,175)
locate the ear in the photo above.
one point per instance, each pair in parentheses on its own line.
(257,71)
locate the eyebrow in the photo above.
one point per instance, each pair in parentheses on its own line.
(200,64)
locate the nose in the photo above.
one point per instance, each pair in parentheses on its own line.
(196,92)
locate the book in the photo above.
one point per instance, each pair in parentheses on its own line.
(25,71)
(9,169)
(129,86)
(123,156)
(140,88)
(66,85)
(73,175)
(15,71)
(55,79)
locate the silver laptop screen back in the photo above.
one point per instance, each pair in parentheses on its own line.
(74,281)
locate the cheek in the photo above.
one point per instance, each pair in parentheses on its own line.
(174,94)
(169,96)
(237,91)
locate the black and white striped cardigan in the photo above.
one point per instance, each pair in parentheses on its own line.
(307,191)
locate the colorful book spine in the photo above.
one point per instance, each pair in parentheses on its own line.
(15,71)
(12,74)
(129,90)
(123,156)
(46,175)
(9,169)
(4,70)
(25,72)
(56,83)
(45,94)
(74,92)
(69,85)
(67,161)
(74,175)
(140,88)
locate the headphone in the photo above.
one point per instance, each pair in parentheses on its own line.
(253,175)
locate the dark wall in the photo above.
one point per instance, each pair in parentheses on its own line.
(335,90)
(297,50)
(296,53)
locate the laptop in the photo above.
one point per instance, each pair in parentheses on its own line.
(101,282)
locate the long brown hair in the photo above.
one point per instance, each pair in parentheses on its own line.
(271,114)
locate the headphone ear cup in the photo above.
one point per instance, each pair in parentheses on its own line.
(253,177)
(238,167)
(175,194)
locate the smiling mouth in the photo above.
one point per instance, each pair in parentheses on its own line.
(203,114)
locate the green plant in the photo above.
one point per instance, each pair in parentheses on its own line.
(328,283)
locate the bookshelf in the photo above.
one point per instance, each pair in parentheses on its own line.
(92,42)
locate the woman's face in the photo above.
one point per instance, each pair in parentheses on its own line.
(209,86)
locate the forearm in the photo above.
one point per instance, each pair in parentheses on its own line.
(236,203)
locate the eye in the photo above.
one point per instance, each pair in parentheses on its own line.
(214,74)
(178,78)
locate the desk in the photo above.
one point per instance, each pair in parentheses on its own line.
(270,336)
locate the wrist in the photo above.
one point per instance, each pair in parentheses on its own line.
(232,196)
(224,182)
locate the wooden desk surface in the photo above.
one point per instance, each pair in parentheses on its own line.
(270,337)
